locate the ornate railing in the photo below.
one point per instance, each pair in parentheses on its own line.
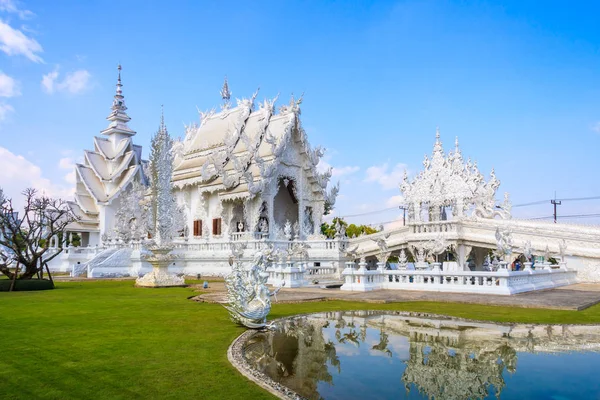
(499,282)
(433,227)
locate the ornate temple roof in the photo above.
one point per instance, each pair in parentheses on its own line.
(238,149)
(447,180)
(108,169)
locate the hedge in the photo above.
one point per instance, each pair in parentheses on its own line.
(26,285)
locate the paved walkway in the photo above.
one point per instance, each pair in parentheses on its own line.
(573,297)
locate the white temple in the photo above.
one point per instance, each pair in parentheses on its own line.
(247,172)
(247,179)
(106,171)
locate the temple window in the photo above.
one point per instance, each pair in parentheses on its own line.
(198,227)
(216,226)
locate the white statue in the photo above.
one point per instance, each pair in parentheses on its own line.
(562,249)
(504,244)
(263,225)
(527,250)
(240,226)
(384,253)
(340,229)
(287,230)
(249,299)
(402,260)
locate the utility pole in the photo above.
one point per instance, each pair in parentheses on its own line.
(403,215)
(555,203)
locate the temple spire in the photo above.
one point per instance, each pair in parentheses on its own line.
(456,145)
(162,117)
(225,94)
(437,147)
(119,84)
(118,116)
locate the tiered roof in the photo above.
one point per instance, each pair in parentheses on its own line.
(237,150)
(110,167)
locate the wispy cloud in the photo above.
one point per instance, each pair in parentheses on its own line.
(5,109)
(386,177)
(8,86)
(395,201)
(19,173)
(14,42)
(596,127)
(341,171)
(11,7)
(74,82)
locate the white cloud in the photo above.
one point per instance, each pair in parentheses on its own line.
(323,166)
(70,178)
(69,164)
(14,42)
(344,170)
(10,6)
(74,83)
(18,173)
(347,350)
(8,86)
(5,109)
(395,201)
(387,179)
(48,81)
(66,163)
(596,127)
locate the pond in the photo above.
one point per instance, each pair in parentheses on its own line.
(394,355)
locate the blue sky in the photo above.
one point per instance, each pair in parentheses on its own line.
(517,83)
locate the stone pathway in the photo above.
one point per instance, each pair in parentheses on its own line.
(573,297)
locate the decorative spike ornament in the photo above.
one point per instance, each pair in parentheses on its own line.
(167,216)
(226,94)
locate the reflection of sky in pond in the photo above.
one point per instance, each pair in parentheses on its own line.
(342,356)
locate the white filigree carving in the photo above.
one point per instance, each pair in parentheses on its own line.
(447,181)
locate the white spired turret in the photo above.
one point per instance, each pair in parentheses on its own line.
(106,171)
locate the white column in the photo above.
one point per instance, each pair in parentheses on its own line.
(271,215)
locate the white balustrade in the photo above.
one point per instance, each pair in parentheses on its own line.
(433,227)
(361,279)
(502,281)
(287,274)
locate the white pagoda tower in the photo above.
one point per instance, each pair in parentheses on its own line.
(105,173)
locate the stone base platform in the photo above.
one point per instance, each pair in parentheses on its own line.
(572,297)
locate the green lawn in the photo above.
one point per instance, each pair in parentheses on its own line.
(109,340)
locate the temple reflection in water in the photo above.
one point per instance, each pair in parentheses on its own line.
(413,356)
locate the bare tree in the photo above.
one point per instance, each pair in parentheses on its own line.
(25,239)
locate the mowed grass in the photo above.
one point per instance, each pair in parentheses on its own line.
(109,340)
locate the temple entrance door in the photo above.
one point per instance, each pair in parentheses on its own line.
(285,203)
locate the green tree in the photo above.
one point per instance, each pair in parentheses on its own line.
(352,230)
(25,239)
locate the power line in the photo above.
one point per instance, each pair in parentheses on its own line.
(580,198)
(374,224)
(533,203)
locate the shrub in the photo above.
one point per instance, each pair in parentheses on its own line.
(26,285)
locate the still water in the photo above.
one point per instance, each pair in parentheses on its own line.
(392,355)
